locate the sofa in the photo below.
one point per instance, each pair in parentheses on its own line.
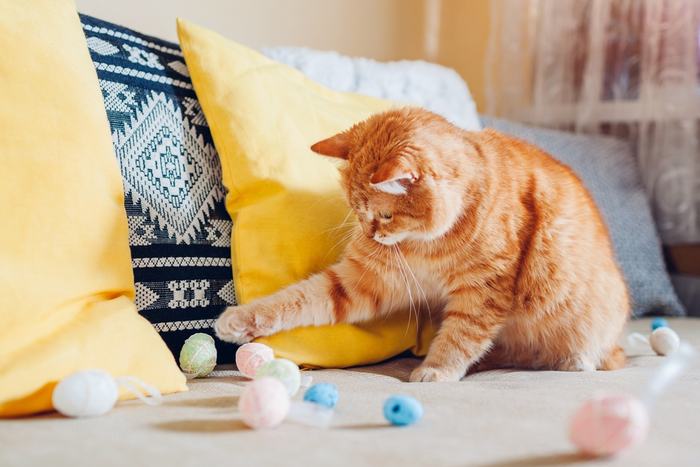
(493,418)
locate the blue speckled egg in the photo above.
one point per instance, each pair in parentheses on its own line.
(325,394)
(657,323)
(402,410)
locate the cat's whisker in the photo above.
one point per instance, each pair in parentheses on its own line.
(339,227)
(415,281)
(385,274)
(345,239)
(411,304)
(344,223)
(373,254)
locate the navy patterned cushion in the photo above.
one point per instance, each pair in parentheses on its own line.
(179,231)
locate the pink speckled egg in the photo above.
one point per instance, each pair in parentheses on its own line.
(609,424)
(250,356)
(264,403)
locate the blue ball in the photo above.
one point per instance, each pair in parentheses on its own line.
(325,394)
(657,323)
(402,410)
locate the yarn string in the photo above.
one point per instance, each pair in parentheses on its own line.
(637,338)
(674,365)
(306,380)
(146,393)
(310,414)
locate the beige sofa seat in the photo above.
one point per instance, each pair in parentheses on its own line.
(495,418)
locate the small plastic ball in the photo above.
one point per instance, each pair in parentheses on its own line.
(283,370)
(664,341)
(88,393)
(264,403)
(324,394)
(198,355)
(250,356)
(609,425)
(402,410)
(657,323)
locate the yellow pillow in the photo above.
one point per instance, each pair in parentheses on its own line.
(285,201)
(66,284)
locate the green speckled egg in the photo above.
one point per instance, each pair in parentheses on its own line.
(198,355)
(284,370)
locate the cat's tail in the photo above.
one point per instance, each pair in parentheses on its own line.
(615,360)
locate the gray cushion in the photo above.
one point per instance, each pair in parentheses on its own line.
(609,171)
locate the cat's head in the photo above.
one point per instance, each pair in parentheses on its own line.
(402,174)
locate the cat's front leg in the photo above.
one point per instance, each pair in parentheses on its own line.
(470,323)
(341,293)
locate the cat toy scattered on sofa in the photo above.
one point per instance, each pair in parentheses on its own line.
(265,402)
(609,424)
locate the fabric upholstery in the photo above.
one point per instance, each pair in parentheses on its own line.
(437,88)
(179,230)
(492,419)
(66,285)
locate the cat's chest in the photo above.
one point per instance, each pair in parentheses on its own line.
(420,277)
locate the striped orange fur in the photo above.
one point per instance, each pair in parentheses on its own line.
(491,234)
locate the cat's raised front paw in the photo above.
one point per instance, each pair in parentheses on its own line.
(425,374)
(242,324)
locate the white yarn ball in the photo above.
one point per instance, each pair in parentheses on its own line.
(664,341)
(88,393)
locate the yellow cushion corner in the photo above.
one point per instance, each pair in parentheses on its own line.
(66,284)
(285,201)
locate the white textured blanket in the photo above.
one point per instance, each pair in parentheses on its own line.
(434,87)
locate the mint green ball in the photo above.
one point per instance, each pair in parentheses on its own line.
(287,372)
(198,355)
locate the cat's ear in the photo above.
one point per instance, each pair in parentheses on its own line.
(335,146)
(394,175)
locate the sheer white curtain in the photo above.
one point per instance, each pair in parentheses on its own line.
(624,67)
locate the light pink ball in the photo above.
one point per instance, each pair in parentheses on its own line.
(264,403)
(607,425)
(250,356)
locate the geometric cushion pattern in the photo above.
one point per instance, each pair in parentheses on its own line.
(179,230)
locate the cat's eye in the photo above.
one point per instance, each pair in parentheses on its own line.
(385,215)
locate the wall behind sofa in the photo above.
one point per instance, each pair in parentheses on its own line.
(382,29)
(379,29)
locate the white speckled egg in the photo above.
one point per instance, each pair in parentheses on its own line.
(87,393)
(664,341)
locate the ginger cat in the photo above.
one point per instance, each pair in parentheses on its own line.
(502,242)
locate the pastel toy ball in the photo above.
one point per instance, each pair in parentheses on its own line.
(283,370)
(250,356)
(664,341)
(402,410)
(264,403)
(609,425)
(87,393)
(657,323)
(324,394)
(198,355)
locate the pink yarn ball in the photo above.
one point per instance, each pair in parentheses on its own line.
(607,425)
(264,403)
(250,356)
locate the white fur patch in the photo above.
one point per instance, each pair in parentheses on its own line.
(389,239)
(393,187)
